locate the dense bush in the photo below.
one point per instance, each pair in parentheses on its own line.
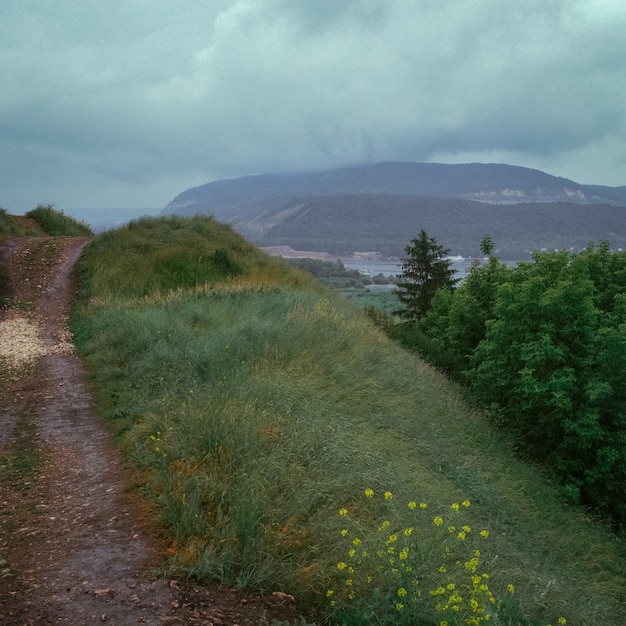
(543,345)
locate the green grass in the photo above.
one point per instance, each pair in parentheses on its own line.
(257,404)
(57,224)
(381,298)
(54,223)
(10,227)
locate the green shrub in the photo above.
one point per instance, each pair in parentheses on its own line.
(541,346)
(551,367)
(428,346)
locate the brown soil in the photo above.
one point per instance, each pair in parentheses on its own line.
(76,545)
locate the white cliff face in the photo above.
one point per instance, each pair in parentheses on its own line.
(510,195)
(575,194)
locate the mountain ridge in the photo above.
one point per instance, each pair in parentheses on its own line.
(493,183)
(327,210)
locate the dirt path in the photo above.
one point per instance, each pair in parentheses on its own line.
(75,546)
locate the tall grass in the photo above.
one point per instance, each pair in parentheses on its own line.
(257,404)
(154,256)
(57,224)
(11,227)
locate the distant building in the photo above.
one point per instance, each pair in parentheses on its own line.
(367,256)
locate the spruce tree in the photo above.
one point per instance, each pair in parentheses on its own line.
(426,269)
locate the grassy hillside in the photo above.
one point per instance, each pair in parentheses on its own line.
(261,408)
(43,220)
(13,226)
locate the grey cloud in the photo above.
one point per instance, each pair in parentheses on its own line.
(147,96)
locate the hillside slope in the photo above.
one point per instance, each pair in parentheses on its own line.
(262,408)
(77,545)
(384,223)
(379,207)
(238,198)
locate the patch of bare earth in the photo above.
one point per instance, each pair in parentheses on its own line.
(76,546)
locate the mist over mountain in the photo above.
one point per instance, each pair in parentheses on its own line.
(381,207)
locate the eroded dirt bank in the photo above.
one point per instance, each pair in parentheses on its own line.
(76,547)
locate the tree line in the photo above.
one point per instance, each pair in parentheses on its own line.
(542,346)
(336,274)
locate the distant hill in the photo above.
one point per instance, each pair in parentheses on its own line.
(380,207)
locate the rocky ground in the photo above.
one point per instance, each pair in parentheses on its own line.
(76,545)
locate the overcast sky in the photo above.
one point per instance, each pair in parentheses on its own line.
(130,102)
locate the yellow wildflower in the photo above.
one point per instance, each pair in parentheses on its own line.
(454,506)
(369,493)
(438,521)
(388,495)
(343,512)
(412,505)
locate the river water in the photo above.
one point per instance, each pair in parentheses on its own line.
(394,268)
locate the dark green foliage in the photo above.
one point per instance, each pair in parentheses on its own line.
(57,224)
(224,264)
(544,347)
(425,270)
(333,273)
(458,319)
(552,366)
(430,347)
